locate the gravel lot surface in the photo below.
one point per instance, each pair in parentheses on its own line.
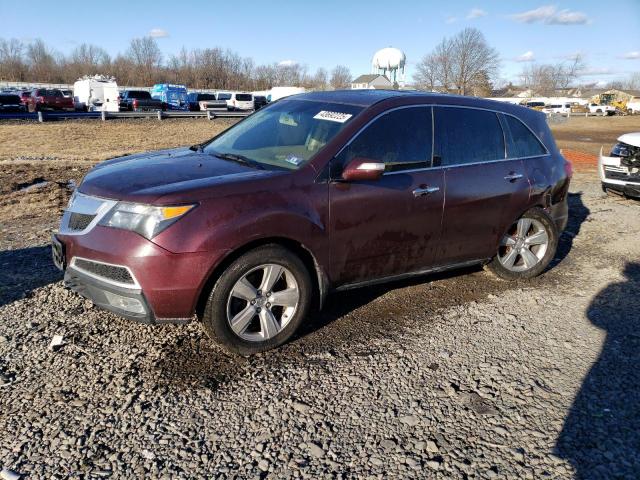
(449,376)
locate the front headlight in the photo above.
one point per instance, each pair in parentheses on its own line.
(146,220)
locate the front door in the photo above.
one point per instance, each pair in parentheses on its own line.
(392,225)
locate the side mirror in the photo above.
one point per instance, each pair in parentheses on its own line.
(361,168)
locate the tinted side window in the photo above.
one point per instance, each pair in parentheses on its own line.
(466,135)
(401,139)
(522,143)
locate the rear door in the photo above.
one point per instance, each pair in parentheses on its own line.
(485,191)
(392,225)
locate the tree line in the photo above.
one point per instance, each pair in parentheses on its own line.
(466,64)
(143,64)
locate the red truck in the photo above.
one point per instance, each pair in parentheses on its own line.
(48,99)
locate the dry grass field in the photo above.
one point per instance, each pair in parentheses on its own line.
(91,140)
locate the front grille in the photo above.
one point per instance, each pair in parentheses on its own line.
(79,221)
(620,173)
(109,272)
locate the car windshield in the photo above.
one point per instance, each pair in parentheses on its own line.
(286,134)
(224,96)
(9,99)
(243,97)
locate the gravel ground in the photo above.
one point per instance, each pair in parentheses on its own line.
(448,376)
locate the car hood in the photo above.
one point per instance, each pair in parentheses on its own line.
(146,177)
(632,139)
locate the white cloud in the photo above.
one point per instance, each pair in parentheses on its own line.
(550,15)
(632,55)
(451,19)
(476,13)
(525,57)
(567,17)
(158,33)
(287,63)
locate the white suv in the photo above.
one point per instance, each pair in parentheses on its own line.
(240,101)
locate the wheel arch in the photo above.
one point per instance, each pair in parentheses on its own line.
(316,272)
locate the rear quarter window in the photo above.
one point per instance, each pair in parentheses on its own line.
(521,141)
(467,135)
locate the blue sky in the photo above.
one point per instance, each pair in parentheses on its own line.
(330,32)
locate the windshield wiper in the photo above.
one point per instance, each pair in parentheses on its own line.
(240,159)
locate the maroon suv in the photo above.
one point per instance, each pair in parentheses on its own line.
(49,99)
(311,194)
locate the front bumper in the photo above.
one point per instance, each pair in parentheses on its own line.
(626,189)
(126,302)
(166,286)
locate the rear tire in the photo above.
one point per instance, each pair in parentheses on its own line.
(261,320)
(527,247)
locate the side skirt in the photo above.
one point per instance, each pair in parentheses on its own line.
(402,276)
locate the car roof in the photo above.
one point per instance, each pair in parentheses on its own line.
(367,98)
(363,98)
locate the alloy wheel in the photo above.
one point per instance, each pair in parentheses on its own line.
(262,302)
(524,245)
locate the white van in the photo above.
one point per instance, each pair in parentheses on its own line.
(96,93)
(281,92)
(240,101)
(561,108)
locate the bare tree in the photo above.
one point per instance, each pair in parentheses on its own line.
(146,57)
(340,77)
(464,63)
(320,79)
(632,82)
(42,61)
(545,79)
(12,65)
(473,60)
(86,59)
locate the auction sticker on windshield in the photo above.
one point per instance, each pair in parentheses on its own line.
(333,116)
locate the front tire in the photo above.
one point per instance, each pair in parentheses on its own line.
(527,247)
(259,301)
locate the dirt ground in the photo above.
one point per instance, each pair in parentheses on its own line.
(457,375)
(588,134)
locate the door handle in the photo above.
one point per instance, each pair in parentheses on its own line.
(423,192)
(513,177)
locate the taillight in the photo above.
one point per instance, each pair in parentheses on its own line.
(40,99)
(135,103)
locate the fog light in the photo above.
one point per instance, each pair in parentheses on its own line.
(128,304)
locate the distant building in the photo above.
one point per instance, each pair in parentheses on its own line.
(371,81)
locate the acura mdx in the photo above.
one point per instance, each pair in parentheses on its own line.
(314,193)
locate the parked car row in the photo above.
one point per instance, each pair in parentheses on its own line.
(97,93)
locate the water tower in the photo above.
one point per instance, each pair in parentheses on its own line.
(390,60)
